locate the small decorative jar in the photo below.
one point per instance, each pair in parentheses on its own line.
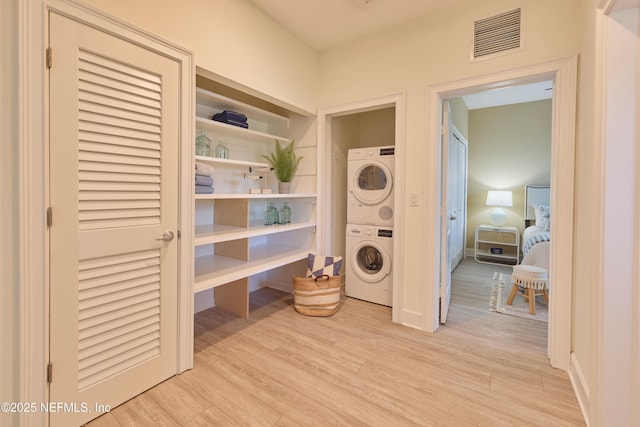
(271,215)
(203,144)
(222,151)
(284,215)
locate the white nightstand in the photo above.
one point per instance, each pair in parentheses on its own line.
(497,245)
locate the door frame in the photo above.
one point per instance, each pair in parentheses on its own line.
(33,188)
(325,172)
(563,72)
(611,390)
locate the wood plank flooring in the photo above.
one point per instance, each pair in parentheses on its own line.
(357,368)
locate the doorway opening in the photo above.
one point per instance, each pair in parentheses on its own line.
(370,123)
(563,75)
(510,148)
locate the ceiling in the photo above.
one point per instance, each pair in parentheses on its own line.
(324,24)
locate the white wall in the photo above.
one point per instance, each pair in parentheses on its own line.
(587,217)
(430,50)
(509,147)
(344,135)
(616,395)
(233,39)
(9,244)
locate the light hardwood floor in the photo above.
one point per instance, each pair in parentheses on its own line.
(279,368)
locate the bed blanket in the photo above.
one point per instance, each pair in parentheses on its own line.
(533,235)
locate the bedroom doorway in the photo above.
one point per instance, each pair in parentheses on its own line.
(504,126)
(563,75)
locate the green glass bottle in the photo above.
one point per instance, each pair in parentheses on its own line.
(271,215)
(222,151)
(284,215)
(203,144)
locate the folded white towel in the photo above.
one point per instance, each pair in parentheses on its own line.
(204,169)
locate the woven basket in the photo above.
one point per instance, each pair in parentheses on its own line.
(316,296)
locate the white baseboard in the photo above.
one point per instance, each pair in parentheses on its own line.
(580,387)
(412,319)
(279,286)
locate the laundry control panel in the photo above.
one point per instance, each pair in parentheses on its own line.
(385,233)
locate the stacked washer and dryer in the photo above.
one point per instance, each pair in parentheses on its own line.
(370,217)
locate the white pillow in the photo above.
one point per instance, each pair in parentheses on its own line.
(543,216)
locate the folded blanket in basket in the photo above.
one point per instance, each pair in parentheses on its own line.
(204,189)
(318,265)
(204,169)
(204,180)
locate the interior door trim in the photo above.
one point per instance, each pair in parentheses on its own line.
(33,197)
(564,74)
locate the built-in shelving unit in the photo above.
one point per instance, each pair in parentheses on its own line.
(233,249)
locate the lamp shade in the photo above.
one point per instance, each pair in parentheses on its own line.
(499,198)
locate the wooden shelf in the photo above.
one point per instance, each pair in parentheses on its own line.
(222,129)
(219,103)
(487,254)
(215,196)
(231,162)
(215,233)
(214,270)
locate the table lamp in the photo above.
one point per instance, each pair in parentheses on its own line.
(499,199)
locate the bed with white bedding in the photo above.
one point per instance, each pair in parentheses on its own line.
(537,215)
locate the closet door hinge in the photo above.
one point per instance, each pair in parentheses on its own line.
(49,372)
(49,217)
(48,57)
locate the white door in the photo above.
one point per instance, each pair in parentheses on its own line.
(446,217)
(457,194)
(454,206)
(113,153)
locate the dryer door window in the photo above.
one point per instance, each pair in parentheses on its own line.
(372,183)
(370,260)
(371,264)
(372,178)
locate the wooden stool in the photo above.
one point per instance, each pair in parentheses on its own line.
(529,281)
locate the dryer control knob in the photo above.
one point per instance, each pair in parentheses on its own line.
(369,232)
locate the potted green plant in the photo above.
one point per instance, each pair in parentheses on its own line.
(284,162)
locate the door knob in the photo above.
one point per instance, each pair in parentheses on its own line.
(167,236)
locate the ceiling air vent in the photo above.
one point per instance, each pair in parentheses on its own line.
(497,34)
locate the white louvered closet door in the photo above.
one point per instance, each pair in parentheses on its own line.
(114,123)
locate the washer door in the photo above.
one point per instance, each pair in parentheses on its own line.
(370,262)
(372,183)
